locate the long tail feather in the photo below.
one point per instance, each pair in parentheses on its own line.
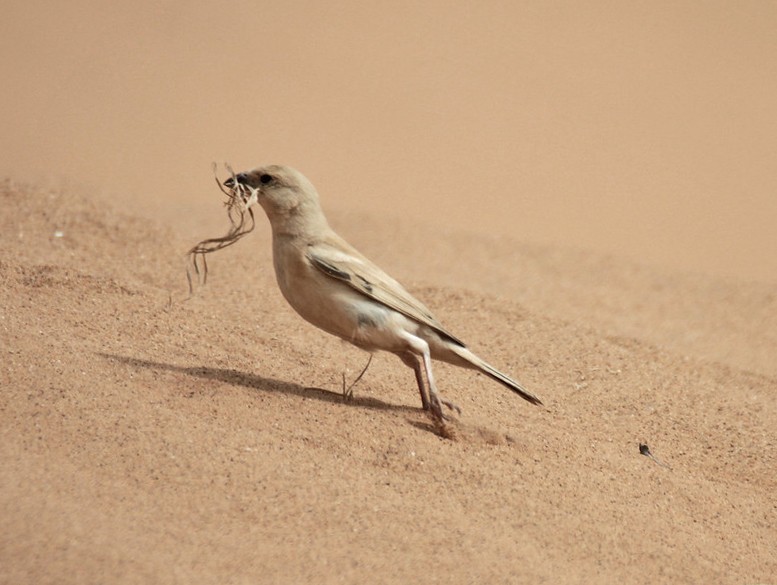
(495,374)
(469,360)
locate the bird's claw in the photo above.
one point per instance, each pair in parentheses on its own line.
(435,407)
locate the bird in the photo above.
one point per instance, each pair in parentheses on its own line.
(336,288)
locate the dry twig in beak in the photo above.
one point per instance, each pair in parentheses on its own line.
(238,197)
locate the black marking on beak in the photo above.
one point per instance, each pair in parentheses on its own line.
(241,179)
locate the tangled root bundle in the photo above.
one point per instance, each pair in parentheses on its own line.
(238,197)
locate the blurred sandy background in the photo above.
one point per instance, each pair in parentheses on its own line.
(584,192)
(645,130)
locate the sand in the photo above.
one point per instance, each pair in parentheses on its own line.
(147,437)
(625,278)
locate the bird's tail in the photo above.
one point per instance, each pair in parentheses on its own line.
(476,363)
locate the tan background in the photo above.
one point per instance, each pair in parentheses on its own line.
(584,192)
(645,130)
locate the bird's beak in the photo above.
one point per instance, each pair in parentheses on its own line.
(239,186)
(239,179)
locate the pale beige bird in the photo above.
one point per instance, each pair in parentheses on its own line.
(334,287)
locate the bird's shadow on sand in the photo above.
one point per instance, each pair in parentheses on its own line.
(261,383)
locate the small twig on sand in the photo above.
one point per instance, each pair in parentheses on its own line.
(645,450)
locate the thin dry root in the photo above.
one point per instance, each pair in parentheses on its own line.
(237,197)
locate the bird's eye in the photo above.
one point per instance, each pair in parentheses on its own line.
(265,179)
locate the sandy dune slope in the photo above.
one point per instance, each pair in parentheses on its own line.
(150,438)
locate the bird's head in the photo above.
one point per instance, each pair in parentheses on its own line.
(282,191)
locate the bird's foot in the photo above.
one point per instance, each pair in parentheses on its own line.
(435,407)
(452,406)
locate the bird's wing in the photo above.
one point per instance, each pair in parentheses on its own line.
(350,267)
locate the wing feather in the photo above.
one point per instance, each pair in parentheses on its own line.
(363,276)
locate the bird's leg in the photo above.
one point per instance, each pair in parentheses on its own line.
(348,392)
(419,346)
(410,359)
(434,397)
